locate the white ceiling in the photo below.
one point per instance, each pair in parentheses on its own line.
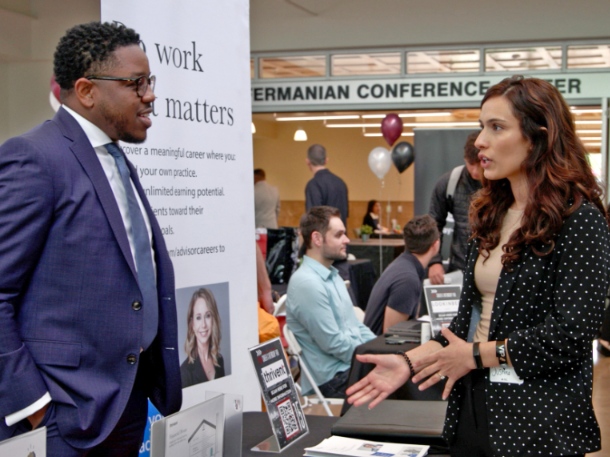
(288,25)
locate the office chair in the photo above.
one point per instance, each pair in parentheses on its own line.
(280,306)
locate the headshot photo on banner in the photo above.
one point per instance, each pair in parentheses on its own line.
(195,163)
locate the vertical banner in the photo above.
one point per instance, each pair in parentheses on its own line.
(196,169)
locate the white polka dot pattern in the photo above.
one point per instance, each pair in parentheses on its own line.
(550,309)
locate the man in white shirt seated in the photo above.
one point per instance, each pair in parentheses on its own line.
(319,310)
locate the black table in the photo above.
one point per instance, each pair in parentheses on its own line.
(362,277)
(257,428)
(408,391)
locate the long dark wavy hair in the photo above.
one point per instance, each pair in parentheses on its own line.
(558,174)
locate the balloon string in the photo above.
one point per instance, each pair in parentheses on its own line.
(380,234)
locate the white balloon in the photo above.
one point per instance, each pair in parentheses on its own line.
(380,161)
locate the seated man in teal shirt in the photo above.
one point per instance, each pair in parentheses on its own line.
(319,310)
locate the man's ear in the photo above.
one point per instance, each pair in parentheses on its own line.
(436,246)
(84,92)
(317,239)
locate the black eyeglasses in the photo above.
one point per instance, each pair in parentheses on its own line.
(141,83)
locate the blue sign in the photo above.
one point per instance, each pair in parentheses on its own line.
(153,416)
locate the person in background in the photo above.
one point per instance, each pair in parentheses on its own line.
(457,204)
(517,359)
(325,188)
(202,346)
(319,310)
(263,283)
(372,216)
(87,293)
(396,295)
(266,201)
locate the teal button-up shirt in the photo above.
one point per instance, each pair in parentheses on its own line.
(320,313)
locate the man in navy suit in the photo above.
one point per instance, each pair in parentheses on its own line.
(77,352)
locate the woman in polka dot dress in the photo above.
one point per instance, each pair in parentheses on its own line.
(517,360)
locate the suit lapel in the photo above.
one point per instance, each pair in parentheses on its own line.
(85,154)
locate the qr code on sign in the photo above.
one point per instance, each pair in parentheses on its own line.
(288,418)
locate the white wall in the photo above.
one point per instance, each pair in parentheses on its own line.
(27,43)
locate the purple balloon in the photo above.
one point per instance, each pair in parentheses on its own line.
(391,128)
(403,156)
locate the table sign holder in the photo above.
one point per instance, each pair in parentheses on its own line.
(234,422)
(195,431)
(280,395)
(442,302)
(30,444)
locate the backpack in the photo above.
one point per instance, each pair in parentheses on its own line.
(453,181)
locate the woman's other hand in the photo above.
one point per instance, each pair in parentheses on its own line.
(391,371)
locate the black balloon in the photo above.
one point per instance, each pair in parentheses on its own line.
(403,156)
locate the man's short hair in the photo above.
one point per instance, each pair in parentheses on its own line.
(471,153)
(316,154)
(260,173)
(87,49)
(316,219)
(420,233)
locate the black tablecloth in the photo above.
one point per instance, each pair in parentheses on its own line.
(257,429)
(409,391)
(362,277)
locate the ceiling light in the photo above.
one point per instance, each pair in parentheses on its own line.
(347,126)
(409,124)
(587,122)
(300,135)
(441,124)
(317,118)
(381,116)
(586,111)
(380,134)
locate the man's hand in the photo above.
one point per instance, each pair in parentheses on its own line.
(36,418)
(436,274)
(391,372)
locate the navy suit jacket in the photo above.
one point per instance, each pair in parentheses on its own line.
(67,285)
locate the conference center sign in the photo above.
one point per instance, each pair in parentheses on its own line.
(411,90)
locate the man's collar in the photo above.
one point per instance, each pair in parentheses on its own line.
(97,137)
(320,269)
(421,271)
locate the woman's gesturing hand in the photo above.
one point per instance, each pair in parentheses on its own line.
(450,363)
(391,372)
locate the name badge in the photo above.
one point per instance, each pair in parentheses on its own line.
(504,374)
